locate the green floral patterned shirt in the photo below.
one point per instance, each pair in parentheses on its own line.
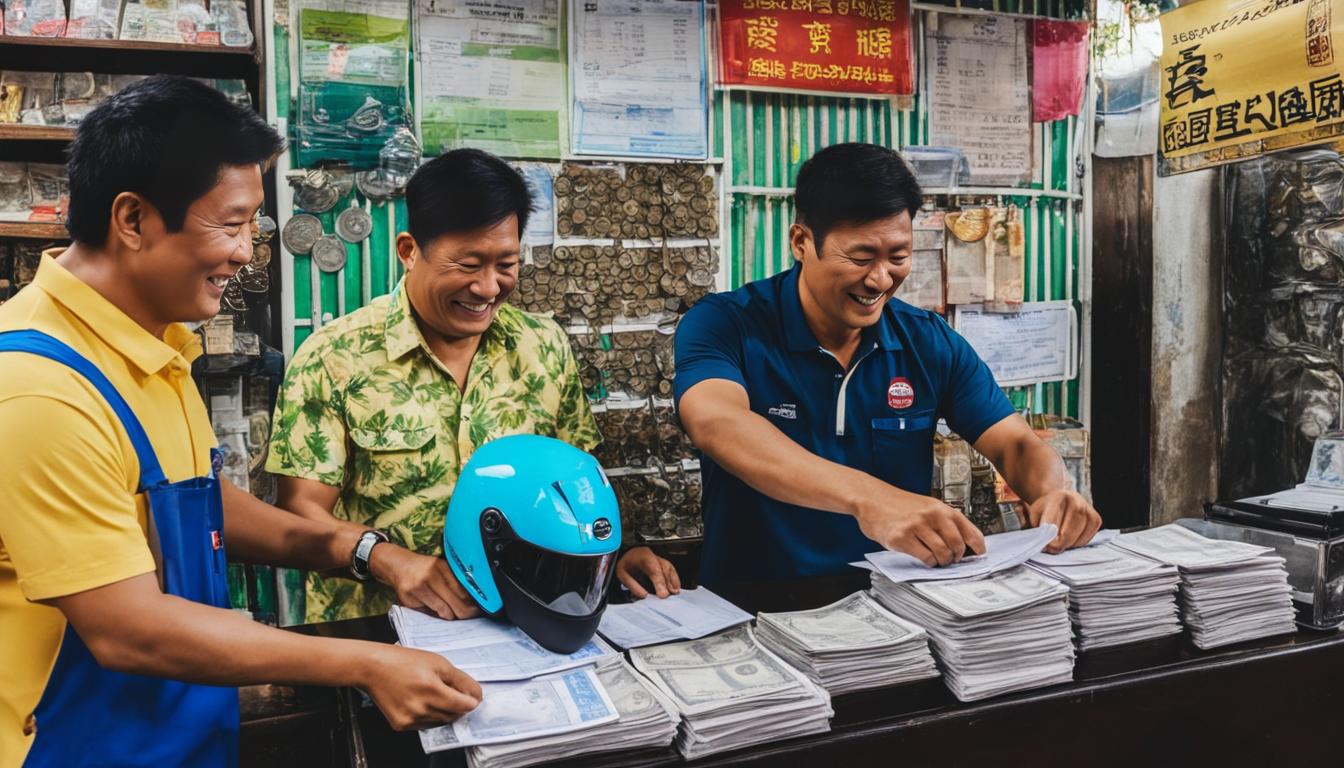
(365,406)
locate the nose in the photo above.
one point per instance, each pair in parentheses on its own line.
(486,285)
(880,278)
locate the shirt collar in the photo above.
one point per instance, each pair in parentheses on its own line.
(401,334)
(799,336)
(127,337)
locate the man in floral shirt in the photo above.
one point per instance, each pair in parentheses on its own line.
(380,409)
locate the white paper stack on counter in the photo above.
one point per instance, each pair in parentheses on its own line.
(648,719)
(687,615)
(1115,596)
(528,691)
(1008,631)
(731,692)
(849,645)
(1231,591)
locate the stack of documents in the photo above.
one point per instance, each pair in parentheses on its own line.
(1115,597)
(1231,591)
(647,720)
(688,615)
(529,692)
(731,692)
(849,645)
(1008,631)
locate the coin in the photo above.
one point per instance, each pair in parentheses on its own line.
(376,186)
(354,224)
(300,232)
(261,256)
(329,253)
(315,193)
(969,226)
(700,277)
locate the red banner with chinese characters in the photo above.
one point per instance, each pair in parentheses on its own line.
(837,46)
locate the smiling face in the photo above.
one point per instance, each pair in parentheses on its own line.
(458,281)
(180,276)
(858,269)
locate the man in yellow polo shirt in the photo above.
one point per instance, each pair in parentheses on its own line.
(116,644)
(381,409)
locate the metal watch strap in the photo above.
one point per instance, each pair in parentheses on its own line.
(359,558)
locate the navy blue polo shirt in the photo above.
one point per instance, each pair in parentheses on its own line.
(910,370)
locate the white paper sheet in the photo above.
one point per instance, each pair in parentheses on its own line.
(979,94)
(1032,345)
(1002,551)
(489,650)
(691,614)
(638,74)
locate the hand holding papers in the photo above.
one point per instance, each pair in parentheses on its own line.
(489,650)
(1002,551)
(551,704)
(688,615)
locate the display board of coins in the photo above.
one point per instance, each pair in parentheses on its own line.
(636,202)
(656,504)
(599,284)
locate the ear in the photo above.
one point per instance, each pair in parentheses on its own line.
(408,252)
(126,225)
(800,241)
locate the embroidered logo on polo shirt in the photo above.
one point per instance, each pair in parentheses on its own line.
(784,411)
(900,393)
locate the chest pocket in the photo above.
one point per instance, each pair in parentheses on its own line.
(903,450)
(388,442)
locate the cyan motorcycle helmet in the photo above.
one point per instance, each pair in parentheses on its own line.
(532,533)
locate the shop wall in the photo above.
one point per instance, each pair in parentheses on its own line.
(1187,343)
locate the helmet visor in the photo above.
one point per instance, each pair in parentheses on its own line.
(570,584)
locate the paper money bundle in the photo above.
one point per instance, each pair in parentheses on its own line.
(1231,591)
(849,645)
(1008,631)
(731,692)
(1115,597)
(648,720)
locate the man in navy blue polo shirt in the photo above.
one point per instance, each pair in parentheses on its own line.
(814,395)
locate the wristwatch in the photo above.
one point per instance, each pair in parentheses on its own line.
(359,558)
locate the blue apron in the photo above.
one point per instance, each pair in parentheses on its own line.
(90,716)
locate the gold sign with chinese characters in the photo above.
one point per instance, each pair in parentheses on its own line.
(1241,79)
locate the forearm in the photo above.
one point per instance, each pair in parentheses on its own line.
(1032,469)
(755,451)
(256,532)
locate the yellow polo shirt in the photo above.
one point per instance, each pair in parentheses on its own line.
(71,520)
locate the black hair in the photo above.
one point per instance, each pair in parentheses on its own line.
(166,138)
(853,182)
(462,190)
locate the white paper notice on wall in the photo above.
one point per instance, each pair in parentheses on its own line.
(978,90)
(1033,346)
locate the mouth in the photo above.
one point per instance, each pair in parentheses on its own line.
(867,301)
(218,283)
(474,309)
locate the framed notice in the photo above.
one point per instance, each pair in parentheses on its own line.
(979,94)
(1035,345)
